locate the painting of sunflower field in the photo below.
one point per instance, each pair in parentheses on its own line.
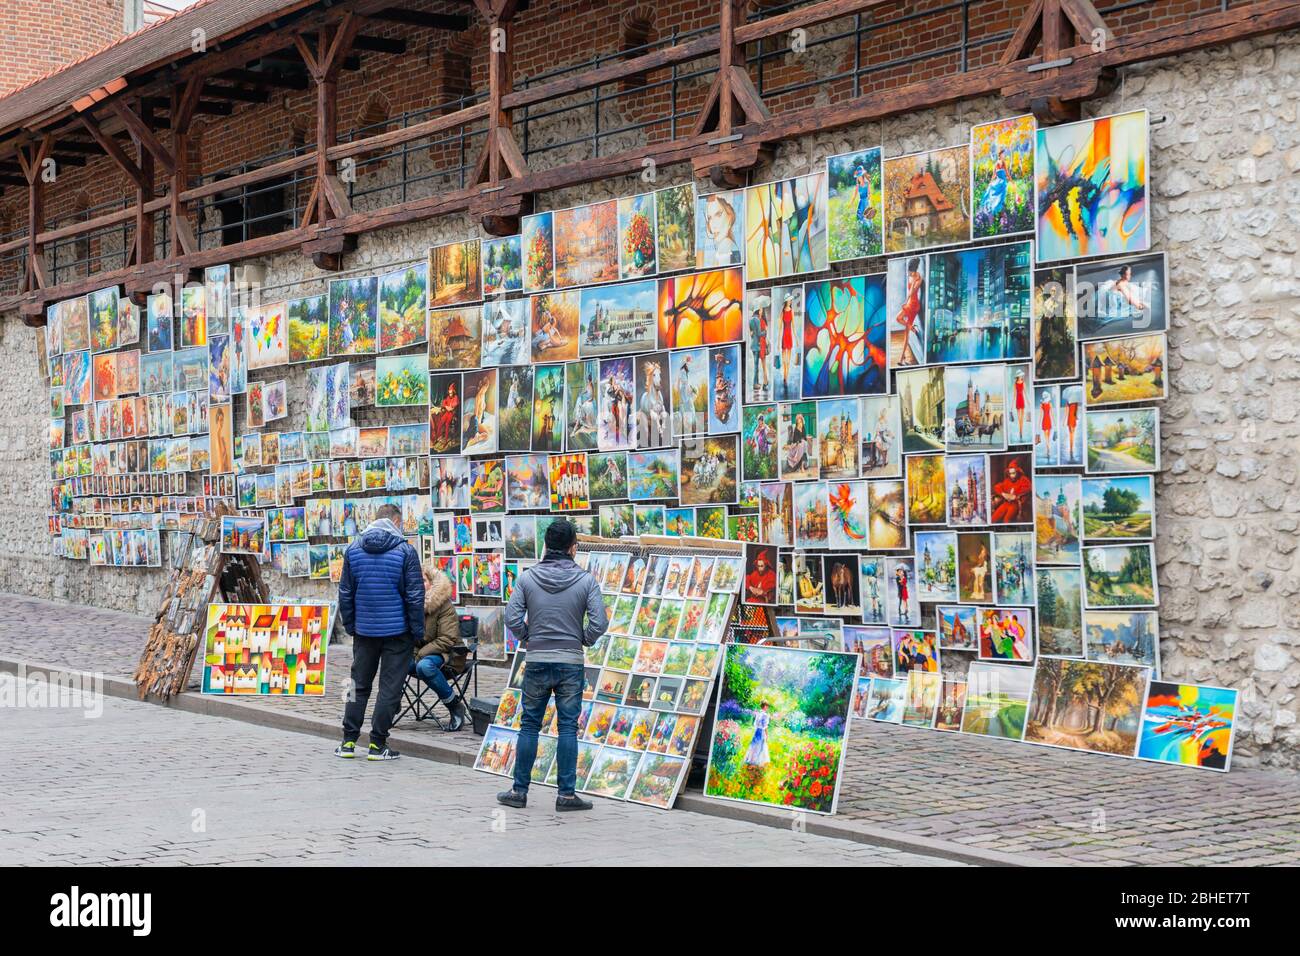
(781,726)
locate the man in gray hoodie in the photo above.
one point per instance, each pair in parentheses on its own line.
(546,614)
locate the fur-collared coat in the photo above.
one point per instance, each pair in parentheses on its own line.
(441,625)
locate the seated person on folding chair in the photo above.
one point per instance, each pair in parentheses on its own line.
(441,634)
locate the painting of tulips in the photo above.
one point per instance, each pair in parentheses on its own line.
(781,726)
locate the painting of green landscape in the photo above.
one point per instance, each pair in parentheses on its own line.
(997,700)
(1119,507)
(1119,576)
(781,726)
(1087,705)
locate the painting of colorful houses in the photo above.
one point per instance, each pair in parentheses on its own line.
(266,649)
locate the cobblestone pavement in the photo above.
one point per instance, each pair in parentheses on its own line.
(145,785)
(982,794)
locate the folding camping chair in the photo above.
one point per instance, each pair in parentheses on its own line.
(419,702)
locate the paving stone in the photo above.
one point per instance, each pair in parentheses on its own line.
(980,793)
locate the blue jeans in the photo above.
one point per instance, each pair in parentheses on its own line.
(540,680)
(430,671)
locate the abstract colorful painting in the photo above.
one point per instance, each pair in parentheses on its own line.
(266,649)
(781,726)
(1002,177)
(706,308)
(567,478)
(785,228)
(844,337)
(586,244)
(1091,187)
(855,206)
(1188,724)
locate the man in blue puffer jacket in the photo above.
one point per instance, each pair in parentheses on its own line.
(381,603)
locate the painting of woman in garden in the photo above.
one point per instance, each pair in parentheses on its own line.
(781,726)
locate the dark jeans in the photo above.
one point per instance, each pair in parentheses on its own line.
(429,668)
(391,656)
(540,680)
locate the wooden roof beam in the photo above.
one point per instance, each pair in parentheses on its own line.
(373,44)
(236,93)
(454,22)
(266,78)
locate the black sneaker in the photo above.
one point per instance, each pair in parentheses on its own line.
(382,753)
(346,749)
(513,798)
(564,804)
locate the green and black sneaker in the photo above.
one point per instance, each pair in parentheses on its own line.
(346,749)
(382,753)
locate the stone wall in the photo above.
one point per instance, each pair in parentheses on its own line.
(1226,209)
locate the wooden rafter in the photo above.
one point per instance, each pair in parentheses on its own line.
(31,160)
(113,149)
(732,98)
(500,159)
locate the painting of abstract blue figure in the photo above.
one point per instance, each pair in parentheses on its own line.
(844,337)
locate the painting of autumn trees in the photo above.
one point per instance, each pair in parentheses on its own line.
(1087,705)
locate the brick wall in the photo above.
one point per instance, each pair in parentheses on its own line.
(39,36)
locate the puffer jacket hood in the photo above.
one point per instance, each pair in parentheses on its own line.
(556,573)
(438,593)
(381,536)
(381,591)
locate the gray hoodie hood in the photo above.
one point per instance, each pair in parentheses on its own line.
(547,610)
(556,573)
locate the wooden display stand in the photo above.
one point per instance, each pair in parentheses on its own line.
(200,574)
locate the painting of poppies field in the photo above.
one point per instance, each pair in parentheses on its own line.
(781,726)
